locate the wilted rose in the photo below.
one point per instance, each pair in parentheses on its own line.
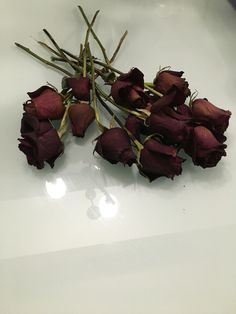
(45,103)
(168,122)
(128,90)
(80,87)
(40,141)
(114,145)
(205,111)
(158,160)
(166,80)
(205,150)
(81,115)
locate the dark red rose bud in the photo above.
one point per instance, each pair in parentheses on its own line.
(80,87)
(45,103)
(158,160)
(114,145)
(81,116)
(165,80)
(166,100)
(205,150)
(128,90)
(40,145)
(31,124)
(172,126)
(134,125)
(203,110)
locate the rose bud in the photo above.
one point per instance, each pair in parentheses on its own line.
(134,125)
(158,160)
(204,148)
(81,116)
(80,87)
(203,110)
(45,103)
(31,124)
(114,145)
(165,80)
(40,145)
(128,90)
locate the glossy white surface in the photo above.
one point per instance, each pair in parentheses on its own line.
(88,237)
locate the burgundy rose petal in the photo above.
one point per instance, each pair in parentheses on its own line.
(135,76)
(157,160)
(134,125)
(114,145)
(81,116)
(165,80)
(203,110)
(166,100)
(30,123)
(205,150)
(40,142)
(174,131)
(80,87)
(128,91)
(45,103)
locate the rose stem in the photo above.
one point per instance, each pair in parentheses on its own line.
(86,43)
(63,128)
(59,58)
(58,48)
(109,110)
(153,90)
(94,100)
(43,60)
(118,47)
(94,35)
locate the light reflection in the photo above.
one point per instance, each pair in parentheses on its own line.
(108,206)
(56,189)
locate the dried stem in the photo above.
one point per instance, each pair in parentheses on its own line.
(86,42)
(43,60)
(94,35)
(63,55)
(118,47)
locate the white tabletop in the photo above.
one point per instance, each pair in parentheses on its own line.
(89,237)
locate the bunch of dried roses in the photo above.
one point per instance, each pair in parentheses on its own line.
(158,123)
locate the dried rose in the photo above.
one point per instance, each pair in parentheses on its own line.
(204,148)
(80,87)
(81,115)
(168,122)
(166,80)
(158,160)
(40,142)
(128,90)
(45,103)
(114,145)
(205,111)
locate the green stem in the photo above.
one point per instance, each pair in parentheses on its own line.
(153,90)
(94,35)
(42,59)
(149,84)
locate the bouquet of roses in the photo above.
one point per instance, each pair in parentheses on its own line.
(161,118)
